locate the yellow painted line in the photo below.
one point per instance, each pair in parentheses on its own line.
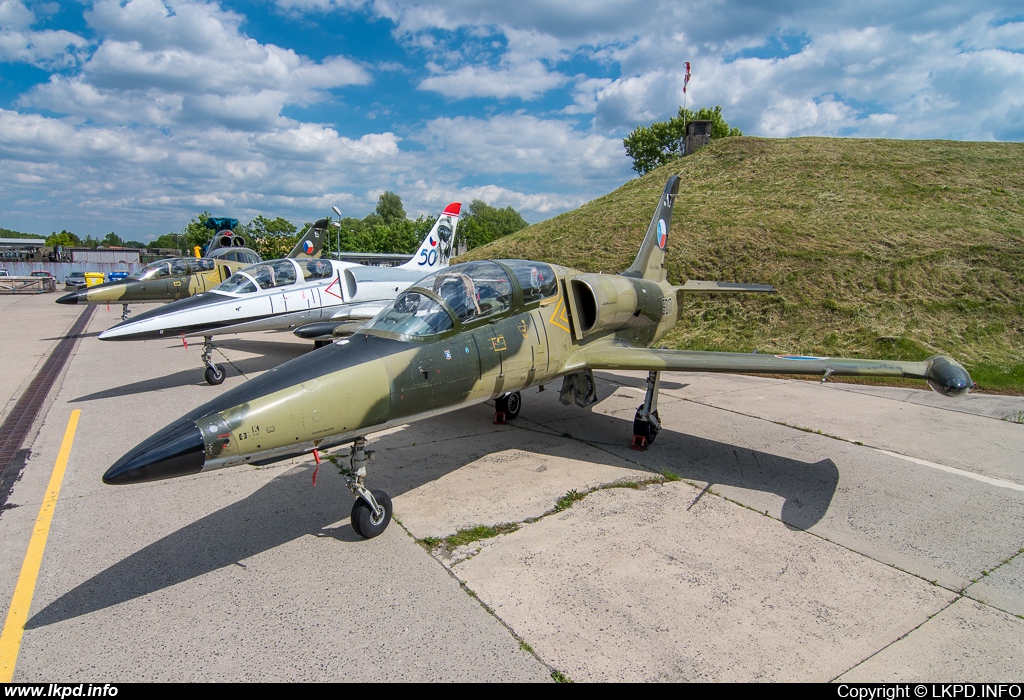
(17,614)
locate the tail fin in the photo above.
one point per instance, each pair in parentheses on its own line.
(312,242)
(436,248)
(649,263)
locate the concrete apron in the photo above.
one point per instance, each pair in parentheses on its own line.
(783,554)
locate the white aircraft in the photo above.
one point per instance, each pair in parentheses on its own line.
(286,294)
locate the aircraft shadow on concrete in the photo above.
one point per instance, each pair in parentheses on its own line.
(288,508)
(66,336)
(273,354)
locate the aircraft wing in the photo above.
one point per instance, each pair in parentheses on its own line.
(942,373)
(705,287)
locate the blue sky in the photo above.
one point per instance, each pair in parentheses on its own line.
(136,116)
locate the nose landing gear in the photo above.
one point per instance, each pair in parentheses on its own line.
(215,374)
(371,513)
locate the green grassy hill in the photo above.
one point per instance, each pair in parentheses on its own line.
(878,248)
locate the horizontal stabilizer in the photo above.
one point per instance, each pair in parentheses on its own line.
(705,287)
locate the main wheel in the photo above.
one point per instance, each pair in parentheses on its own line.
(215,374)
(509,405)
(645,428)
(364,522)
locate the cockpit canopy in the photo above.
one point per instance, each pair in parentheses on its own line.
(275,273)
(179,267)
(173,267)
(465,293)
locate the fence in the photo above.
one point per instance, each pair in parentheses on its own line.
(62,270)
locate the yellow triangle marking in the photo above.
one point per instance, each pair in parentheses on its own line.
(558,318)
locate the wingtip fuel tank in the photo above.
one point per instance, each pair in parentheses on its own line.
(948,377)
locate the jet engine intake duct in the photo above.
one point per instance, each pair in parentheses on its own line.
(603,303)
(351,285)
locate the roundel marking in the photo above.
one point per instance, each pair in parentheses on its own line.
(662,234)
(307,247)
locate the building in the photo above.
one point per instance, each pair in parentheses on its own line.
(20,249)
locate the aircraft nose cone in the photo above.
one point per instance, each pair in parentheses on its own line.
(72,298)
(177,450)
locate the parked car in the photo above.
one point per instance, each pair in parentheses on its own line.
(4,273)
(47,280)
(74,281)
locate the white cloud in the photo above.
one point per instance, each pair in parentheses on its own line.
(15,15)
(526,81)
(176,63)
(171,104)
(523,143)
(126,176)
(46,49)
(423,198)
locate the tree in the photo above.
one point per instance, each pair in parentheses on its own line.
(64,238)
(390,209)
(167,240)
(271,238)
(195,234)
(484,223)
(655,145)
(112,240)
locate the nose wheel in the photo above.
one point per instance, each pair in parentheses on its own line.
(371,513)
(215,374)
(368,521)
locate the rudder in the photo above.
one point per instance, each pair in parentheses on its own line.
(649,263)
(312,242)
(436,249)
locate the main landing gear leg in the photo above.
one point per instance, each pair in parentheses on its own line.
(645,423)
(214,373)
(124,312)
(372,510)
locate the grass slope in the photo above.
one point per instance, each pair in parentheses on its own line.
(878,248)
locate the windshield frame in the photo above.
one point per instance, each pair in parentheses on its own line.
(252,274)
(380,332)
(460,325)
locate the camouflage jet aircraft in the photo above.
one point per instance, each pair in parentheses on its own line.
(179,278)
(282,294)
(465,335)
